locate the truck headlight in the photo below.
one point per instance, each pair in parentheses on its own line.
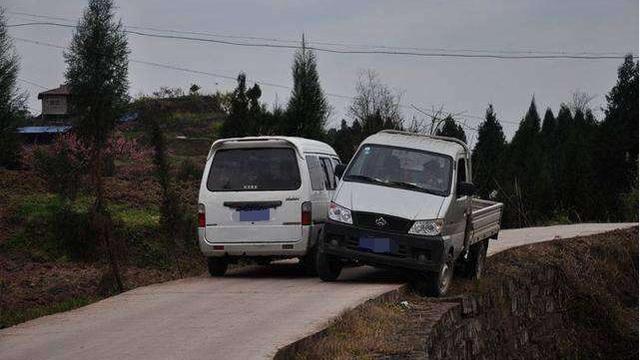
(340,213)
(427,227)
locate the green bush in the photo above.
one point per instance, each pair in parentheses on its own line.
(60,169)
(189,169)
(53,229)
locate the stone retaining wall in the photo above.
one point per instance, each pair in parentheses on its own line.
(523,319)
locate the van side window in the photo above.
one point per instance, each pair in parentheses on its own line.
(330,179)
(462,171)
(315,172)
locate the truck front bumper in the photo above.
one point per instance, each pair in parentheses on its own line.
(410,252)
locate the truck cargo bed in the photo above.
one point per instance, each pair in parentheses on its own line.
(485,220)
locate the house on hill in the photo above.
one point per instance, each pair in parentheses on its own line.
(55,104)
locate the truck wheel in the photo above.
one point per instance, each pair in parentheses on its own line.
(477,259)
(217,266)
(435,284)
(328,267)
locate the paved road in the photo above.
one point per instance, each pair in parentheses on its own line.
(246,315)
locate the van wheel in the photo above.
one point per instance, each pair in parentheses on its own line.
(328,267)
(217,266)
(477,260)
(434,284)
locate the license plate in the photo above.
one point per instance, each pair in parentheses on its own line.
(254,215)
(377,245)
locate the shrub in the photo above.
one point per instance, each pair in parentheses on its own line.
(61,169)
(53,229)
(189,170)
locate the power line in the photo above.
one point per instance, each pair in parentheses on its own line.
(342,44)
(32,83)
(260,82)
(350,52)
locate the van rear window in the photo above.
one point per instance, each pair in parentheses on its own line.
(254,169)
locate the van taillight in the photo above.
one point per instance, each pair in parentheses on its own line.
(202,219)
(306,213)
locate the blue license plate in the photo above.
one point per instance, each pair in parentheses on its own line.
(377,245)
(254,215)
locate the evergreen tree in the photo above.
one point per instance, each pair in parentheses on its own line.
(308,109)
(97,67)
(616,154)
(527,186)
(235,124)
(488,155)
(550,159)
(452,129)
(256,112)
(11,102)
(575,182)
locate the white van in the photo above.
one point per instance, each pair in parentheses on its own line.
(264,198)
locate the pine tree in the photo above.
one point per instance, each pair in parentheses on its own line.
(11,102)
(452,129)
(235,124)
(97,68)
(525,169)
(308,109)
(616,154)
(575,182)
(488,155)
(550,165)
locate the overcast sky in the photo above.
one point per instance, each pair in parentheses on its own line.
(459,85)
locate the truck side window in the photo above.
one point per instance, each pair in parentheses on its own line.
(462,171)
(315,172)
(330,179)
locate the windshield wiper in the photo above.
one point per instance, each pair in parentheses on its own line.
(405,185)
(365,178)
(411,186)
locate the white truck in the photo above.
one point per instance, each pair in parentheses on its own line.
(405,201)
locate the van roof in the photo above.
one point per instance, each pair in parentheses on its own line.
(303,145)
(436,144)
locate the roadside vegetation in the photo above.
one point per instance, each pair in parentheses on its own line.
(598,282)
(112,204)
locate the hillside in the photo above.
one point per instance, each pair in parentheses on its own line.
(48,265)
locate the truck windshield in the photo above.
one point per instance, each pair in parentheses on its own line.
(255,169)
(401,167)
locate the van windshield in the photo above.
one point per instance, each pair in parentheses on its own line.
(254,169)
(402,168)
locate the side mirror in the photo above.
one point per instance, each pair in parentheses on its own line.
(339,170)
(465,189)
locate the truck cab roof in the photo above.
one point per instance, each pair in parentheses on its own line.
(436,144)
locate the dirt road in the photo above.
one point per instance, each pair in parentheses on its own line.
(246,315)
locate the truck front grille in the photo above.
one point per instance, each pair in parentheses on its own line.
(382,222)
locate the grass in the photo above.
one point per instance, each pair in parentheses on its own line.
(12,317)
(368,331)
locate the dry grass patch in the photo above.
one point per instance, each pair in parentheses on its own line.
(368,331)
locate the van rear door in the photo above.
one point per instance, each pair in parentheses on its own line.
(254,194)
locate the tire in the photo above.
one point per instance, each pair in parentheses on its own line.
(217,266)
(328,267)
(477,259)
(435,284)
